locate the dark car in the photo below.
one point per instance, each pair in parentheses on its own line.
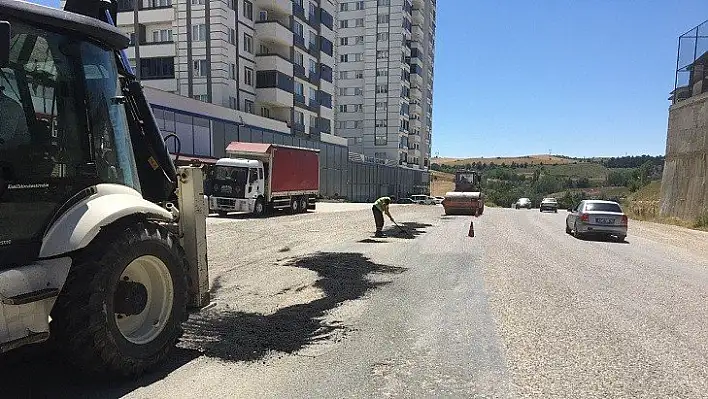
(405,201)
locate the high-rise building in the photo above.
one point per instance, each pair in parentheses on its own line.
(384,78)
(273,58)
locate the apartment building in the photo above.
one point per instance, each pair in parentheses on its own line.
(272,58)
(384,78)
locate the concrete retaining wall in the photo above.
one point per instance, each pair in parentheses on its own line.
(684,192)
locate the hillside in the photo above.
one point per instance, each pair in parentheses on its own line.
(521,160)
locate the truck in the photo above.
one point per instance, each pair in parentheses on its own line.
(102,239)
(467,197)
(258,178)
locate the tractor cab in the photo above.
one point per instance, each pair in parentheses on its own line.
(64,126)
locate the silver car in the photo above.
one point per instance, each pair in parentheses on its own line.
(595,217)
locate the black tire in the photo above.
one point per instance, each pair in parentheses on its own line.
(567,229)
(259,209)
(621,238)
(83,319)
(222,214)
(294,205)
(303,204)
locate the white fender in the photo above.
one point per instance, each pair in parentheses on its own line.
(81,223)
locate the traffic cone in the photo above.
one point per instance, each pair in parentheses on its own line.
(471,233)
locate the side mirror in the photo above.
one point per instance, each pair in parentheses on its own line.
(4,43)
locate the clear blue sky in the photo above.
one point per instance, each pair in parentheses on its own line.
(578,77)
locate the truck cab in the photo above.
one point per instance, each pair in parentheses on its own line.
(236,185)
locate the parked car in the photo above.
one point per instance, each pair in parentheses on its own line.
(405,201)
(423,199)
(523,203)
(549,204)
(438,200)
(595,217)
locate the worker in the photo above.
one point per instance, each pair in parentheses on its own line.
(380,207)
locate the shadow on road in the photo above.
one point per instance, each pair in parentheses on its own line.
(239,336)
(408,230)
(371,241)
(231,336)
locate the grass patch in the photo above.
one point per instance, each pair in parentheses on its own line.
(701,221)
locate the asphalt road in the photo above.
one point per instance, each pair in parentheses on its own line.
(311,306)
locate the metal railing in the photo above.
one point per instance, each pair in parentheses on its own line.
(691,64)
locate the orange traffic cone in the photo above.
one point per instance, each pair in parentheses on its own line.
(471,233)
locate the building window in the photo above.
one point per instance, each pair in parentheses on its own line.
(359,22)
(342,124)
(344,58)
(233,71)
(199,33)
(381,72)
(344,41)
(233,103)
(298,29)
(299,117)
(265,112)
(157,68)
(381,105)
(382,37)
(381,89)
(263,49)
(383,19)
(248,106)
(232,4)
(359,75)
(343,6)
(299,59)
(313,66)
(198,2)
(343,108)
(380,140)
(232,36)
(382,54)
(359,5)
(248,9)
(201,97)
(162,36)
(160,3)
(343,91)
(384,2)
(358,124)
(359,40)
(200,68)
(299,89)
(343,23)
(381,123)
(313,94)
(358,91)
(248,43)
(248,76)
(343,75)
(358,57)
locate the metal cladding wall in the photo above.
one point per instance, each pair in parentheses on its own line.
(201,135)
(339,177)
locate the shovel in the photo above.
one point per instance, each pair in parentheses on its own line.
(402,230)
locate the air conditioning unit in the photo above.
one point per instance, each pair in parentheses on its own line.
(263,16)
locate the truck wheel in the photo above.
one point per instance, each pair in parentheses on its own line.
(303,204)
(294,205)
(259,208)
(222,214)
(121,309)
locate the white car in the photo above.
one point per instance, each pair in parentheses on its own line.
(595,217)
(549,204)
(423,199)
(523,203)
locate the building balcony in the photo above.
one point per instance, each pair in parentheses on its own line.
(416,80)
(419,4)
(273,62)
(416,93)
(275,32)
(413,153)
(152,50)
(327,113)
(280,6)
(416,108)
(148,16)
(418,16)
(418,34)
(274,96)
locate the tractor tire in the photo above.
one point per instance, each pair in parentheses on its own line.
(107,321)
(294,205)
